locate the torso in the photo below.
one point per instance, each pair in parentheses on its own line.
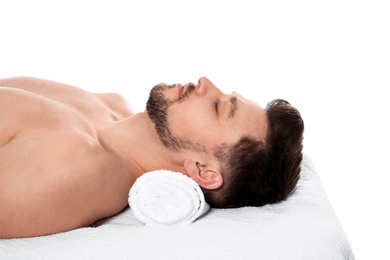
(55,175)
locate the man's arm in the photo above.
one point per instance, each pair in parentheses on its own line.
(50,89)
(69,95)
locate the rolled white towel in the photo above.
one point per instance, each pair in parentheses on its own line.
(164,197)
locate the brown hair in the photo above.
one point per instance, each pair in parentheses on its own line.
(256,172)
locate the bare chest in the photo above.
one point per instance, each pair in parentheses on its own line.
(66,158)
(53,166)
(56,156)
(60,174)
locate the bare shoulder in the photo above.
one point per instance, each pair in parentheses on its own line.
(18,109)
(55,91)
(106,105)
(44,87)
(73,96)
(116,103)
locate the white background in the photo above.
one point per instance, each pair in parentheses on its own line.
(330,59)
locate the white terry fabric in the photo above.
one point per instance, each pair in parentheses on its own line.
(304,227)
(164,197)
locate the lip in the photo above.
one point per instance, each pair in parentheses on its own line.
(180,89)
(185,88)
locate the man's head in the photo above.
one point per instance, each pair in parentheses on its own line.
(238,152)
(261,172)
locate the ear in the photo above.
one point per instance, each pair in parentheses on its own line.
(207,177)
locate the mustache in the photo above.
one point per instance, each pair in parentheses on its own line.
(159,88)
(189,90)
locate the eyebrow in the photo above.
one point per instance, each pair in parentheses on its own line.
(232,108)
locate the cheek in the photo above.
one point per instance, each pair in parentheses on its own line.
(188,115)
(188,126)
(191,124)
(199,124)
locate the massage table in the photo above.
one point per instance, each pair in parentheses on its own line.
(302,227)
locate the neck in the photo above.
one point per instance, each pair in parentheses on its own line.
(136,142)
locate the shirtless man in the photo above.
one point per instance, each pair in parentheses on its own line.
(69,157)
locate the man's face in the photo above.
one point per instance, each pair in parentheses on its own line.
(157,107)
(201,117)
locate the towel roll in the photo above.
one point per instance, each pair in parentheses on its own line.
(164,197)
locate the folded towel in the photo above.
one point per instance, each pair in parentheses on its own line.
(164,197)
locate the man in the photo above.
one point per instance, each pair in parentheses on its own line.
(69,157)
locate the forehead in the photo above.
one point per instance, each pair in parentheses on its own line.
(252,118)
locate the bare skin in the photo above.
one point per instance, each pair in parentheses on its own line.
(68,157)
(39,186)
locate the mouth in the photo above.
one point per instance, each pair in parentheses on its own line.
(183,92)
(180,89)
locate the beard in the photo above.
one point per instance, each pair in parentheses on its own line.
(157,109)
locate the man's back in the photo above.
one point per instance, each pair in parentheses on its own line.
(55,175)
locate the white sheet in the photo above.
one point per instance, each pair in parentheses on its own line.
(303,227)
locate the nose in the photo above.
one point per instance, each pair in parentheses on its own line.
(204,85)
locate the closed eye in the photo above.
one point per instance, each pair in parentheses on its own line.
(216,106)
